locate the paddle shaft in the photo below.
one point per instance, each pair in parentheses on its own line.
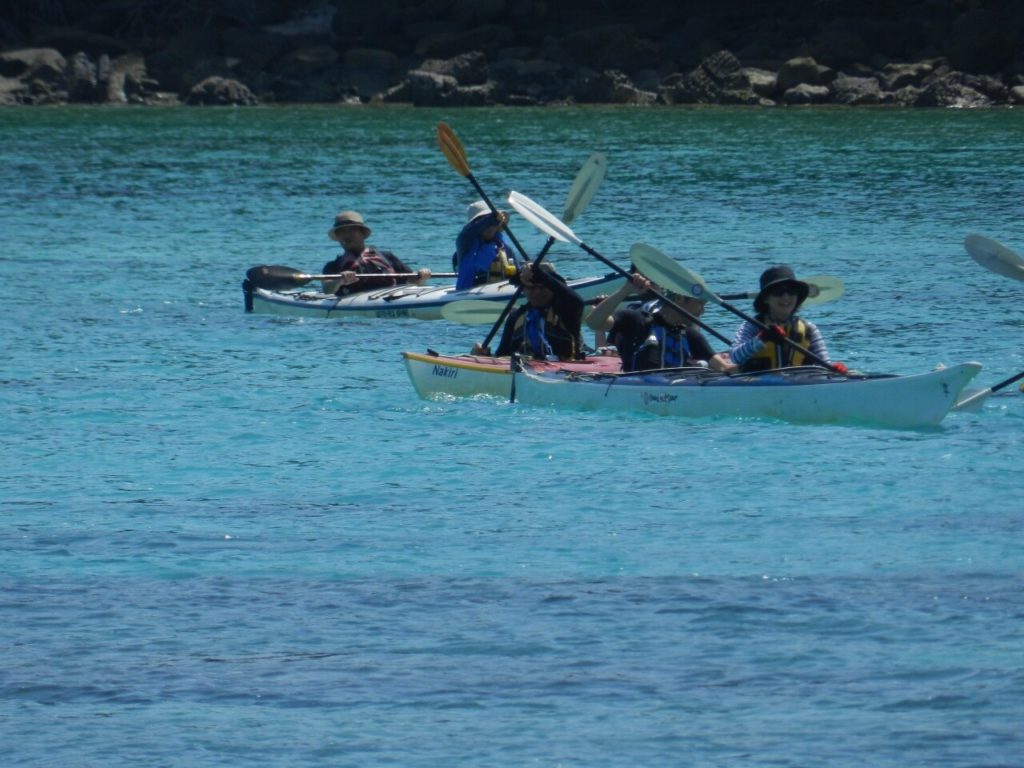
(792,344)
(515,296)
(361,275)
(688,315)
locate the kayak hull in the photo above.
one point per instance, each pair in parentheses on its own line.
(417,302)
(801,395)
(435,376)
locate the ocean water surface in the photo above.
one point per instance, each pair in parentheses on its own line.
(233,539)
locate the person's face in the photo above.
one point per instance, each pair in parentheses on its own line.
(537,295)
(351,238)
(690,304)
(781,300)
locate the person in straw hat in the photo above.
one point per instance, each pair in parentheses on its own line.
(655,335)
(482,255)
(358,259)
(776,305)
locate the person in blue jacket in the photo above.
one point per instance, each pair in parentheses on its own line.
(482,255)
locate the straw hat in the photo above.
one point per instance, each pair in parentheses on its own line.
(347,219)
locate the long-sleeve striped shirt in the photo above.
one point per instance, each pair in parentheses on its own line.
(747,344)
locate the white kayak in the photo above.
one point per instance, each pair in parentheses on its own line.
(435,375)
(807,394)
(420,302)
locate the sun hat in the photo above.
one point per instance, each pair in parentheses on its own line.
(777,275)
(475,210)
(347,219)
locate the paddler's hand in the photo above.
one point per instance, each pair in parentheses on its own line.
(348,278)
(774,333)
(478,350)
(424,275)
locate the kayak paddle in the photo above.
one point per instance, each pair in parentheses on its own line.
(995,256)
(542,219)
(274,277)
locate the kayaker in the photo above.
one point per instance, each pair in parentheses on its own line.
(548,325)
(482,255)
(776,305)
(357,258)
(655,335)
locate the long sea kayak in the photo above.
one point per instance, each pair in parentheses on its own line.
(420,302)
(807,394)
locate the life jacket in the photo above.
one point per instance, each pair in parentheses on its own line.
(370,261)
(672,344)
(541,333)
(774,355)
(501,267)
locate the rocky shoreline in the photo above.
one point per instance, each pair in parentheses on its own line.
(453,53)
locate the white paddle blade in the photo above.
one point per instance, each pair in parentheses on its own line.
(995,256)
(668,273)
(824,289)
(542,219)
(473,311)
(585,186)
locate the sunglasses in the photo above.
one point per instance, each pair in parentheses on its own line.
(785,289)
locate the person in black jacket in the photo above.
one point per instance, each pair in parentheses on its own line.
(547,327)
(655,335)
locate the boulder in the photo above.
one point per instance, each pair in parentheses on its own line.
(429,89)
(45,64)
(220,91)
(802,70)
(805,93)
(856,91)
(610,87)
(468,68)
(1016,95)
(762,81)
(950,91)
(898,75)
(81,77)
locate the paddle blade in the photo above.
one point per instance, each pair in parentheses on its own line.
(452,149)
(669,274)
(542,219)
(473,311)
(995,256)
(273,277)
(585,186)
(823,289)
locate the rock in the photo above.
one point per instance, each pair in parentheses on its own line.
(13,92)
(81,78)
(762,82)
(855,91)
(802,70)
(949,91)
(46,64)
(717,74)
(214,91)
(429,89)
(468,68)
(804,93)
(896,76)
(445,45)
(610,87)
(1017,95)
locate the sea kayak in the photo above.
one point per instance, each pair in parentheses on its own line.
(420,302)
(435,375)
(807,394)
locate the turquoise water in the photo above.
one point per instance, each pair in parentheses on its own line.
(238,540)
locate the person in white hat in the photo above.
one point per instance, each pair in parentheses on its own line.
(482,255)
(358,259)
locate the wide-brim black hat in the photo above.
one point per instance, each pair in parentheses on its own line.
(780,273)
